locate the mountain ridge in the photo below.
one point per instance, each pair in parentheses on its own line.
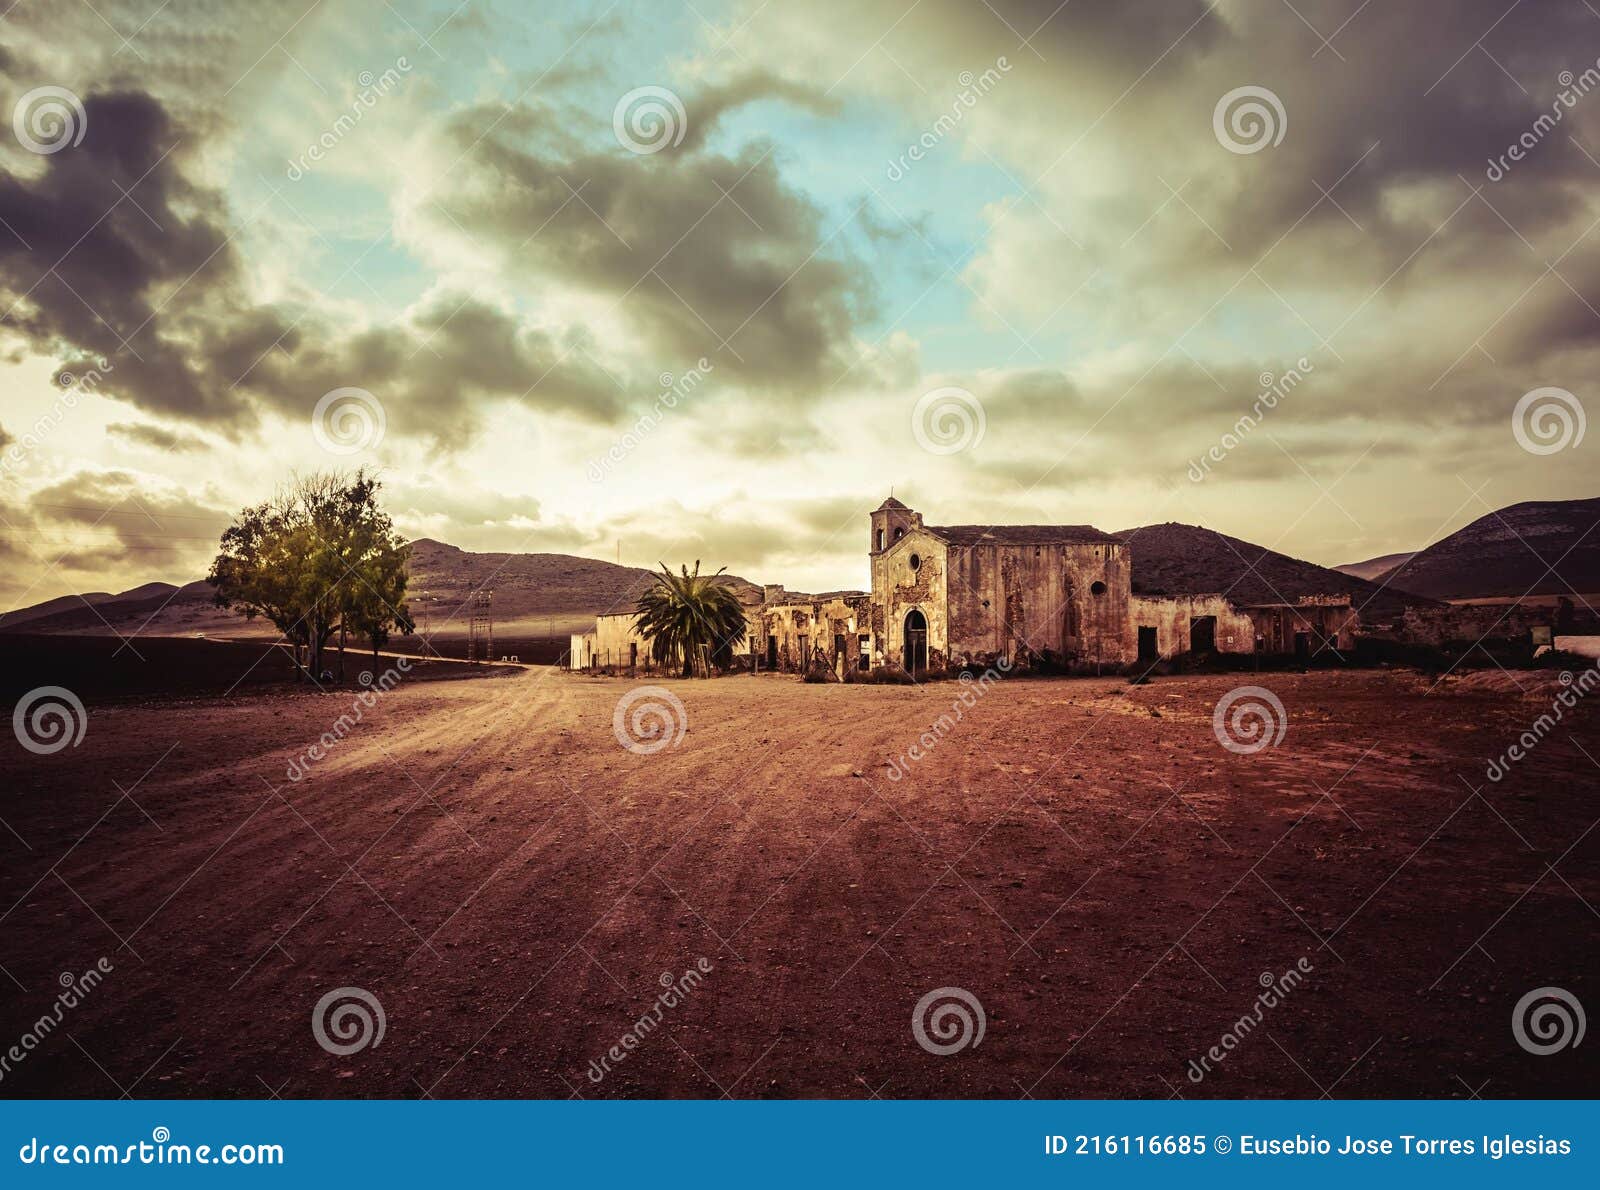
(1177,559)
(1536,547)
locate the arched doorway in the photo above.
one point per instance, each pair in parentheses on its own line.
(916,641)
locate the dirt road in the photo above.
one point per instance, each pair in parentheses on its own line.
(1084,859)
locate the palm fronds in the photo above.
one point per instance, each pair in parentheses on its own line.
(681,612)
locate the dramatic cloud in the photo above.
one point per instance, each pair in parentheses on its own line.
(699,253)
(111,252)
(1072,212)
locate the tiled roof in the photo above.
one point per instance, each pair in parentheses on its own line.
(970,535)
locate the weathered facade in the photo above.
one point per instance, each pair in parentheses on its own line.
(1166,625)
(947,595)
(967,594)
(793,633)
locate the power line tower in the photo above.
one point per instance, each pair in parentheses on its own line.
(480,628)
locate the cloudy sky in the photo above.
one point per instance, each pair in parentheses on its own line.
(1022,262)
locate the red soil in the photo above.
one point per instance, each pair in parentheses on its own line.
(1082,856)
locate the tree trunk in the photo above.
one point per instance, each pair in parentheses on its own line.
(341,652)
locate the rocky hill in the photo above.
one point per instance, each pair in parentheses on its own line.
(1175,559)
(1511,553)
(1374,568)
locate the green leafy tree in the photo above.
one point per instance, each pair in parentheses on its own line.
(377,605)
(680,613)
(320,557)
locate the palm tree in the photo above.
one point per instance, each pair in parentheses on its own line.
(680,613)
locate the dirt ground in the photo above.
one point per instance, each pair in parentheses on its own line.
(1082,856)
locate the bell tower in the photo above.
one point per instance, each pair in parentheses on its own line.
(891,521)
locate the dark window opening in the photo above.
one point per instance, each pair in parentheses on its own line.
(1149,650)
(916,562)
(863,661)
(1097,588)
(899,533)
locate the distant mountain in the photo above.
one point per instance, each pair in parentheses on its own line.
(526,586)
(546,593)
(1374,568)
(70,603)
(1174,559)
(1510,553)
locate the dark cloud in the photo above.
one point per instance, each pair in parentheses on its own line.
(703,254)
(435,373)
(157,437)
(114,519)
(708,106)
(111,251)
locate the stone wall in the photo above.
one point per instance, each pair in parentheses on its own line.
(1067,602)
(1173,616)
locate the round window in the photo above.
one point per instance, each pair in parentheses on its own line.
(916,562)
(1097,588)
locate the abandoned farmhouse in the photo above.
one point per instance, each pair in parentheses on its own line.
(948,595)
